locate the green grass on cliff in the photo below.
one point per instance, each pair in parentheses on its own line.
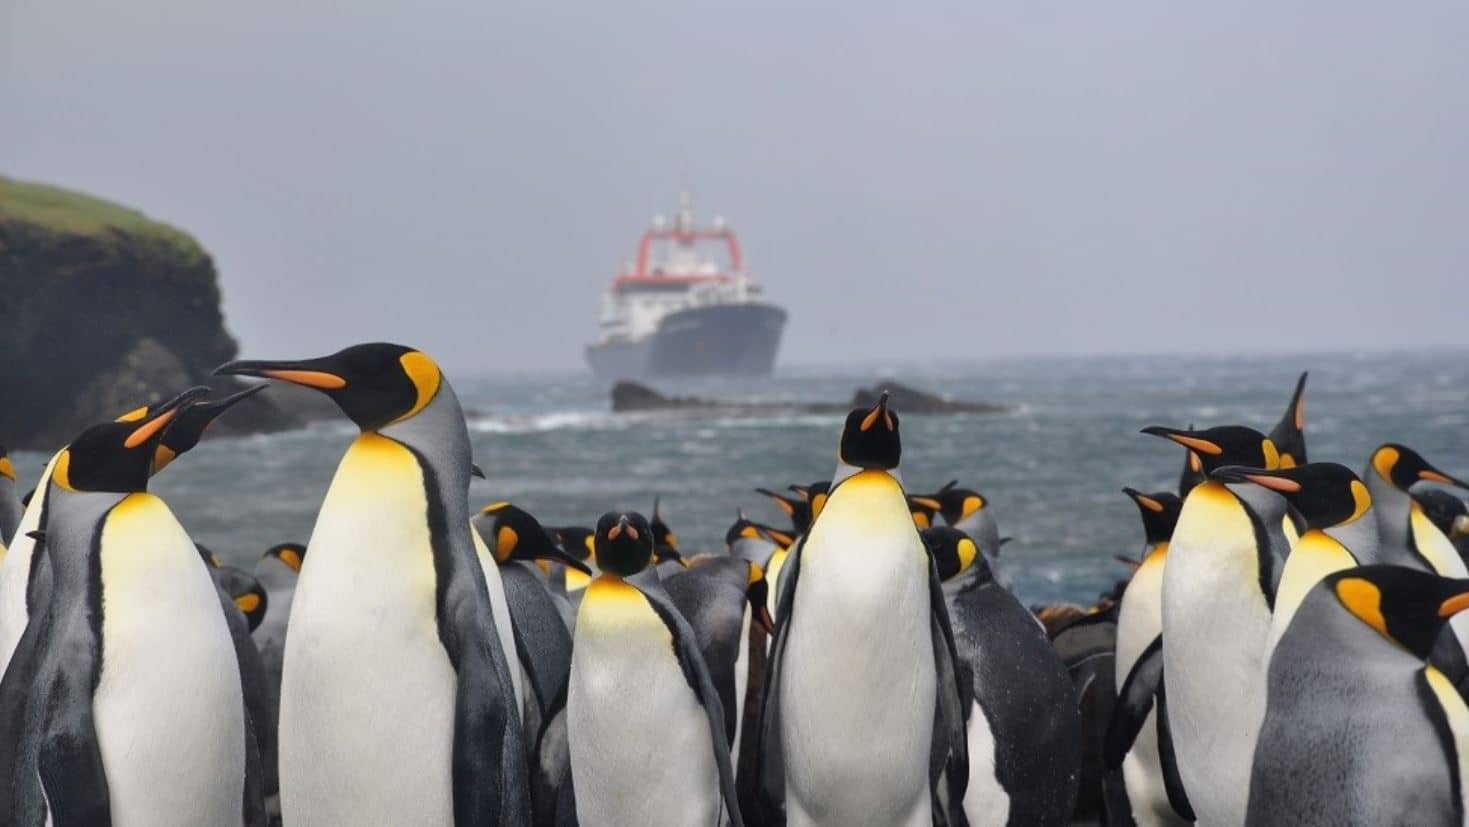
(66,212)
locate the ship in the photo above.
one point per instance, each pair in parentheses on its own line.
(686,306)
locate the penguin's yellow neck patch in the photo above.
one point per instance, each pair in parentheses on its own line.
(1361,501)
(1158,552)
(1383,462)
(611,606)
(1363,599)
(425,376)
(1214,492)
(1433,545)
(576,580)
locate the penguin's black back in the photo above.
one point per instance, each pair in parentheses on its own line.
(1027,699)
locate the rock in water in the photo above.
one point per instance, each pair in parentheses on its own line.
(911,400)
(100,307)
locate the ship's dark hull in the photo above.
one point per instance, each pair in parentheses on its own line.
(722,340)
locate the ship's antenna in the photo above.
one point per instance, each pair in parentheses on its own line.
(685,209)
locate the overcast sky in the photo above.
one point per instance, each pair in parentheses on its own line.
(909,180)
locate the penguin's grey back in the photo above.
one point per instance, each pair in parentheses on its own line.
(1348,737)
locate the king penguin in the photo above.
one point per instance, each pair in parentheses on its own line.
(1358,730)
(968,511)
(10,507)
(516,542)
(1139,624)
(182,434)
(1336,511)
(1289,434)
(1449,514)
(720,597)
(1024,728)
(862,645)
(644,720)
(1408,537)
(1218,590)
(244,602)
(135,714)
(755,542)
(392,636)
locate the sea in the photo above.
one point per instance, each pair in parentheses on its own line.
(1052,467)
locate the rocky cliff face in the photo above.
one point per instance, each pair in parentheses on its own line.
(101,309)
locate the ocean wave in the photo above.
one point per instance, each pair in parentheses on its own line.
(553,421)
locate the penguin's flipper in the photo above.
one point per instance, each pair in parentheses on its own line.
(770,773)
(686,646)
(69,760)
(955,696)
(489,744)
(1172,779)
(1134,702)
(16,689)
(257,785)
(1448,657)
(1116,808)
(541,638)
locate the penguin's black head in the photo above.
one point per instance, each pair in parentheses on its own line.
(117,456)
(290,554)
(209,557)
(668,554)
(758,595)
(1406,606)
(663,536)
(952,551)
(374,384)
(246,592)
(870,438)
(797,508)
(1402,467)
(956,503)
(1224,445)
(7,468)
(1289,435)
(923,508)
(624,543)
(746,528)
(1193,471)
(1446,511)
(189,426)
(511,533)
(578,541)
(815,494)
(1159,511)
(1325,494)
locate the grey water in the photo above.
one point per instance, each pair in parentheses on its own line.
(1052,468)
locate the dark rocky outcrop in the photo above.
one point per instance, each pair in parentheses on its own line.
(632,397)
(103,309)
(910,400)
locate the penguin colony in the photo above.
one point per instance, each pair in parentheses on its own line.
(1287,650)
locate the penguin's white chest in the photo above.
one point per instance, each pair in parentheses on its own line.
(858,681)
(367,690)
(15,572)
(986,803)
(168,706)
(1216,625)
(639,738)
(500,608)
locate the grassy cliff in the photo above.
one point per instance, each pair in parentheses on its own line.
(101,308)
